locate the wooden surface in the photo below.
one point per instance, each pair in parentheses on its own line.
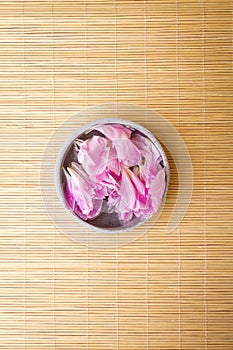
(162,291)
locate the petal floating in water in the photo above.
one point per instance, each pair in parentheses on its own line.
(151,158)
(127,152)
(93,154)
(114,131)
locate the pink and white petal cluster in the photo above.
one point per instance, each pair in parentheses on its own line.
(119,168)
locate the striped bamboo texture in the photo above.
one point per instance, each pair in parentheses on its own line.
(162,291)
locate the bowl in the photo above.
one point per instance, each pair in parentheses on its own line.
(110,219)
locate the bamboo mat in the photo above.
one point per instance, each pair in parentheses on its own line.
(164,291)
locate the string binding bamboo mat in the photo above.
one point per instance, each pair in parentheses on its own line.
(161,291)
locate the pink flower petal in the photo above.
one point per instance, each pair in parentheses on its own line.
(129,201)
(113,164)
(83,192)
(138,184)
(100,191)
(128,194)
(83,196)
(68,191)
(135,198)
(157,188)
(141,193)
(126,216)
(127,152)
(147,209)
(93,154)
(114,131)
(113,198)
(111,176)
(149,168)
(92,214)
(123,148)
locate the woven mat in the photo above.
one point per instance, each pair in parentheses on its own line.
(162,291)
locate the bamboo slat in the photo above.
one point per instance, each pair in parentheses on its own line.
(162,291)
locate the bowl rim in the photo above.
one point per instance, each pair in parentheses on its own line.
(66,148)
